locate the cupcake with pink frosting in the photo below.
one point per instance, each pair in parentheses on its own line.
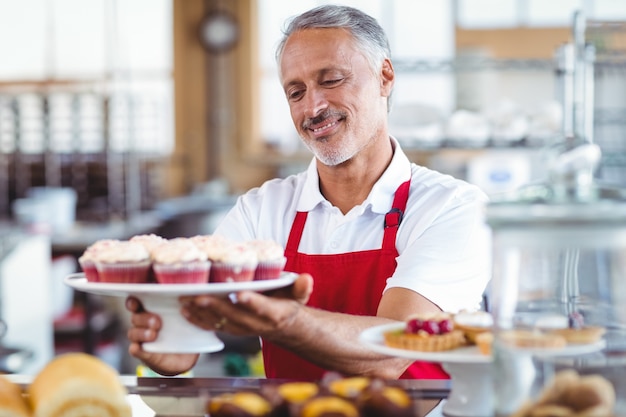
(180,261)
(271,259)
(87,260)
(233,262)
(123,262)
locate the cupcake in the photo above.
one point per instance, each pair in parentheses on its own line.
(233,262)
(123,262)
(87,260)
(271,259)
(213,246)
(179,261)
(150,242)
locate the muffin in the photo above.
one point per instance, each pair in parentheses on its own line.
(270,259)
(236,262)
(124,262)
(329,406)
(239,404)
(288,397)
(380,399)
(427,334)
(87,260)
(179,261)
(347,387)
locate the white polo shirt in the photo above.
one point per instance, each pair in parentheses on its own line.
(443,243)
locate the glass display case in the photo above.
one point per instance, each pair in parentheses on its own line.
(558,294)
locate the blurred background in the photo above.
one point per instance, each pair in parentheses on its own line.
(151,116)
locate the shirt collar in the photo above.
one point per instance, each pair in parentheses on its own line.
(381,196)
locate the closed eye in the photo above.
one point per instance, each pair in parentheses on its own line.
(331,83)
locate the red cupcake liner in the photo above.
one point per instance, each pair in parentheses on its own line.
(190,273)
(231,273)
(127,273)
(269,269)
(90,270)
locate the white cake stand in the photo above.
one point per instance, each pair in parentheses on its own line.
(177,335)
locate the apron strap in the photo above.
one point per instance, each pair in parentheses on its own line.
(296,232)
(393,218)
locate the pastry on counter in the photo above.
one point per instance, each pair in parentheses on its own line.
(333,396)
(12,401)
(78,384)
(239,404)
(571,394)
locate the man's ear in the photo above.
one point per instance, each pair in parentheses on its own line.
(388,77)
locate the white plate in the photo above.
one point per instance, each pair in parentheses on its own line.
(177,335)
(79,282)
(374,339)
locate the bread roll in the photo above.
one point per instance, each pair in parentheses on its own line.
(12,403)
(77,385)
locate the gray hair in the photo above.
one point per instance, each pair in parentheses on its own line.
(367,33)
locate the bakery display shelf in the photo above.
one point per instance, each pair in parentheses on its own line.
(472,64)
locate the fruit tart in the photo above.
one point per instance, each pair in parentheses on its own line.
(427,334)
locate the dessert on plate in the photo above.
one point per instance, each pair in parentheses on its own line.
(427,334)
(123,262)
(179,261)
(473,323)
(87,260)
(236,262)
(270,259)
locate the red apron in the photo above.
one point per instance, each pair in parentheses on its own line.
(349,283)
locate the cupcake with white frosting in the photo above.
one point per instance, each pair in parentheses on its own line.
(271,259)
(87,260)
(123,262)
(233,262)
(179,261)
(150,242)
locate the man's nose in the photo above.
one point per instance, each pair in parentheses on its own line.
(315,102)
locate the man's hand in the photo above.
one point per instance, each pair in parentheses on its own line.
(249,313)
(145,328)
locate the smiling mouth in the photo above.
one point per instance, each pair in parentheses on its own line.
(326,126)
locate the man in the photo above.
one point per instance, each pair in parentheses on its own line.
(375,238)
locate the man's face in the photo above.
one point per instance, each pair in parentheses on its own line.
(337,103)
